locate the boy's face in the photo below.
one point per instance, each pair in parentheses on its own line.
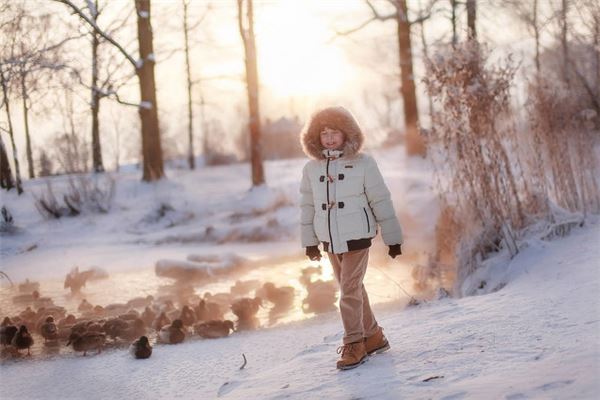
(332,139)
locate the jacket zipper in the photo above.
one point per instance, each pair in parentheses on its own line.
(328,207)
(367,217)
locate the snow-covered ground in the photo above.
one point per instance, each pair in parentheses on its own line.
(538,337)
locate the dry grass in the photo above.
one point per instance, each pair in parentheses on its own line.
(493,179)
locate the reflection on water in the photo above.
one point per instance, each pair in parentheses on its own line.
(289,291)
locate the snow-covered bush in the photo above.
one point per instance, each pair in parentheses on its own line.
(493,179)
(84,193)
(7,222)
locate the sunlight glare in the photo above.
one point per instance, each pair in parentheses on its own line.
(293,54)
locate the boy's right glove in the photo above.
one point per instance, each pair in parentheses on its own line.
(313,253)
(395,250)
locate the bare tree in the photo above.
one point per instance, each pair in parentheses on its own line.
(4,84)
(472,19)
(528,13)
(246,27)
(153,166)
(415,144)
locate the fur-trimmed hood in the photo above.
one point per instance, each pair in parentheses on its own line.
(334,118)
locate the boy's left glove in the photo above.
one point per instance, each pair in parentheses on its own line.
(395,250)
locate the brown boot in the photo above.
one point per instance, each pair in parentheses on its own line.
(376,343)
(353,354)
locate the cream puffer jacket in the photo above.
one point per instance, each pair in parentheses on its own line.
(343,195)
(343,201)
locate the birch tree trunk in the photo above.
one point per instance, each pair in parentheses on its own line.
(191,160)
(247,35)
(97,165)
(11,133)
(26,123)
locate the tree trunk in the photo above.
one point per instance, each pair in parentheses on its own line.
(426,57)
(247,34)
(151,145)
(97,165)
(536,32)
(6,178)
(191,160)
(11,133)
(471,19)
(26,123)
(414,142)
(563,39)
(453,5)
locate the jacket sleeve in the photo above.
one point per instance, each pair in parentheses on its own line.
(307,213)
(380,201)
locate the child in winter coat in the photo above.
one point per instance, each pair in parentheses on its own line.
(343,200)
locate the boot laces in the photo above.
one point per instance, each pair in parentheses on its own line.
(346,349)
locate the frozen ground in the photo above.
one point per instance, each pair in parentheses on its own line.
(538,337)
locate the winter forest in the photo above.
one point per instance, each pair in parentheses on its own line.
(261,199)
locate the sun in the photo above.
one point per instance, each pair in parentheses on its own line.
(294,56)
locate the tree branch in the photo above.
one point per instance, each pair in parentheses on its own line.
(98,30)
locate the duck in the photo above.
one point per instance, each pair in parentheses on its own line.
(282,297)
(139,302)
(115,327)
(187,316)
(7,331)
(246,309)
(206,311)
(85,306)
(28,286)
(49,330)
(87,341)
(148,316)
(308,272)
(321,296)
(75,280)
(39,301)
(173,333)
(136,329)
(22,340)
(161,321)
(214,329)
(141,348)
(242,288)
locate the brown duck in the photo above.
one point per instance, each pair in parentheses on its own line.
(173,333)
(214,329)
(141,348)
(49,330)
(87,341)
(23,340)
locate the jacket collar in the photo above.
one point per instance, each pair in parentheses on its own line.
(332,154)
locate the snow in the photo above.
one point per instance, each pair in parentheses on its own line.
(536,336)
(151,57)
(146,105)
(144,14)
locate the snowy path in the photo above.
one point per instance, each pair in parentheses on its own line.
(538,337)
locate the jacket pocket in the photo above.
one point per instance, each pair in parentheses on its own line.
(367,218)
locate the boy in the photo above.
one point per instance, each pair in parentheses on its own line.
(343,199)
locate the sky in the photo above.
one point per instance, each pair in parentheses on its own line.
(302,63)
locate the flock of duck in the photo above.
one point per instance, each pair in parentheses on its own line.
(145,320)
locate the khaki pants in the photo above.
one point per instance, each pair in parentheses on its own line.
(349,269)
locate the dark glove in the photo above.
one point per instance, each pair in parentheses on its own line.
(313,253)
(395,250)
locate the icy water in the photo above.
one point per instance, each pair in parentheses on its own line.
(381,283)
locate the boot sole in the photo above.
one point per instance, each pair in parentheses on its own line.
(352,366)
(380,350)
